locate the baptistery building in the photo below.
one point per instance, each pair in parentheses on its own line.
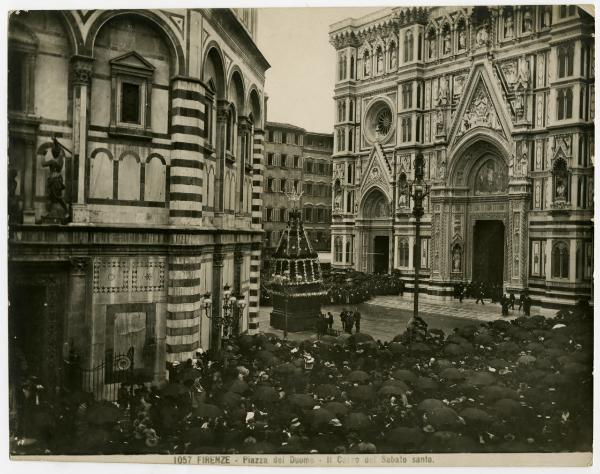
(135,182)
(499,101)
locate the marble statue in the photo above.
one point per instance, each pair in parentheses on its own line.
(508,26)
(55,184)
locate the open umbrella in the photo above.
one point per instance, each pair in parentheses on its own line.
(239,386)
(405,438)
(264,356)
(496,392)
(337,408)
(396,383)
(405,375)
(321,417)
(426,384)
(207,410)
(302,400)
(508,408)
(444,418)
(265,393)
(230,399)
(480,379)
(390,390)
(452,374)
(327,391)
(343,338)
(362,393)
(357,376)
(356,421)
(101,413)
(328,339)
(430,404)
(359,337)
(199,436)
(475,416)
(286,369)
(174,390)
(245,341)
(398,348)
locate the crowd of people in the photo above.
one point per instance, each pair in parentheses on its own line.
(479,291)
(352,287)
(505,386)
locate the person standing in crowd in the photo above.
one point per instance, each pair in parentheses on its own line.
(461,292)
(343,318)
(512,300)
(349,322)
(504,302)
(357,319)
(479,293)
(527,305)
(401,288)
(521,300)
(329,321)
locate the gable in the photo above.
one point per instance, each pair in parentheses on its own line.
(378,171)
(132,60)
(481,106)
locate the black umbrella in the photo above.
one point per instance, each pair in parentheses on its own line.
(356,421)
(302,400)
(207,410)
(337,408)
(101,413)
(327,391)
(357,376)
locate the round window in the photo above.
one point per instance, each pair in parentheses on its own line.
(379,122)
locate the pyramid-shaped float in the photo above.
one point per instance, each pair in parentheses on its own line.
(296,279)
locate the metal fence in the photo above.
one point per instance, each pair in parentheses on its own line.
(104,380)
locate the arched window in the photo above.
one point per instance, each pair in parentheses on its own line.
(403,253)
(393,61)
(352,66)
(343,110)
(349,199)
(349,251)
(350,141)
(350,172)
(560,260)
(337,249)
(342,67)
(408,46)
(565,60)
(231,119)
(351,111)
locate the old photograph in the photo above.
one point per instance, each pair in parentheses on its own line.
(301,236)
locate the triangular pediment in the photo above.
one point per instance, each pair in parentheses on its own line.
(481,107)
(378,172)
(132,60)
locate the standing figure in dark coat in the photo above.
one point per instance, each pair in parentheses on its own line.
(512,300)
(527,305)
(357,317)
(329,321)
(349,322)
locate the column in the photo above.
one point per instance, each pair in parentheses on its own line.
(221,144)
(188,138)
(257,178)
(254,291)
(75,329)
(28,191)
(81,74)
(217,303)
(184,306)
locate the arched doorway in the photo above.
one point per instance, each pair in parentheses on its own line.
(375,226)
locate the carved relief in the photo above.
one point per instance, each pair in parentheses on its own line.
(480,113)
(491,178)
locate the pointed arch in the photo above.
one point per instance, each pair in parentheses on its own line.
(213,69)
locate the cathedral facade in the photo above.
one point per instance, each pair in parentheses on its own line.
(500,103)
(135,182)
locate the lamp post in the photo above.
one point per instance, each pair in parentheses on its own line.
(225,321)
(418,191)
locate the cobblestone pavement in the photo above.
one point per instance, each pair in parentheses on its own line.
(383,317)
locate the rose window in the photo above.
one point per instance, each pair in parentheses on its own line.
(380,122)
(383,122)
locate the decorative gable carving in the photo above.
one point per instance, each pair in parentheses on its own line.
(378,172)
(480,113)
(481,106)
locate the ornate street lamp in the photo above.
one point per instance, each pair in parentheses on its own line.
(418,190)
(225,322)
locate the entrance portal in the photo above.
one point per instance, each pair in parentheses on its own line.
(381,254)
(488,252)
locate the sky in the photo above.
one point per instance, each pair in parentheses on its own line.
(300,81)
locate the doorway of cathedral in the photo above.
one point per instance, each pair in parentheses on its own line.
(381,254)
(488,251)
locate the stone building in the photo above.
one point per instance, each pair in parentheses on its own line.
(153,197)
(296,160)
(500,102)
